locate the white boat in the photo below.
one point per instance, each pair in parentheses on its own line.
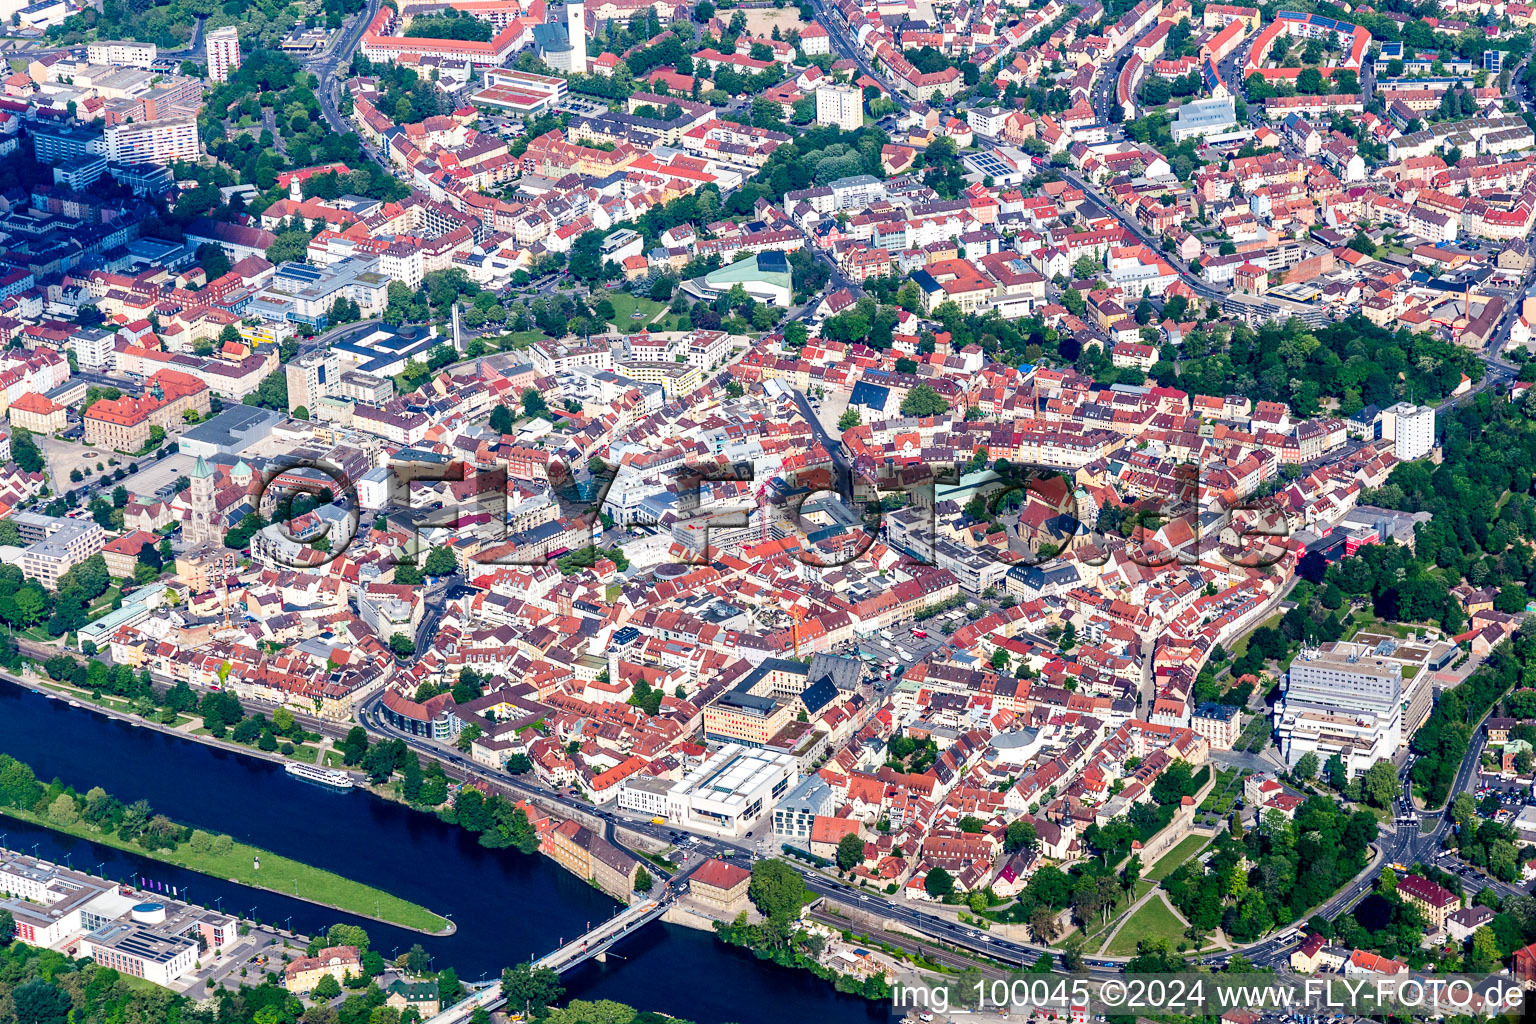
(313,773)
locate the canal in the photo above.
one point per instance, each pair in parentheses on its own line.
(508,907)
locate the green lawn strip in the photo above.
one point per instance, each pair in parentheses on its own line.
(103,604)
(1187,848)
(521,339)
(1241,647)
(1094,935)
(277,874)
(140,984)
(1153,921)
(121,705)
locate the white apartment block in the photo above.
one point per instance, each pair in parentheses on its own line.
(840,105)
(153,142)
(93,348)
(222,47)
(1410,428)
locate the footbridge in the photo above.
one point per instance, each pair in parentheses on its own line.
(595,943)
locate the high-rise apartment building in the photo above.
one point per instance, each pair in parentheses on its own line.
(840,105)
(222,46)
(1410,428)
(153,142)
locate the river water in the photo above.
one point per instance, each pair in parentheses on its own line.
(508,907)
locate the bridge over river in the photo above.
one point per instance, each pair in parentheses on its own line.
(594,943)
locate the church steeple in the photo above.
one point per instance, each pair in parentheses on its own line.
(199,530)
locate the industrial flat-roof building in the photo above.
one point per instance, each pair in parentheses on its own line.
(140,952)
(731,791)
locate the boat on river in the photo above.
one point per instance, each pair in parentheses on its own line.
(313,773)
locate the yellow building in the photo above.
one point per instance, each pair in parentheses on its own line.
(37,413)
(334,961)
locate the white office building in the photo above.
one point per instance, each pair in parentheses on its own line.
(734,789)
(645,794)
(130,53)
(1349,704)
(1410,428)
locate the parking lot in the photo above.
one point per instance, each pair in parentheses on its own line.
(891,649)
(153,475)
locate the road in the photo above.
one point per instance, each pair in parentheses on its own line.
(845,44)
(841,470)
(1405,845)
(338,58)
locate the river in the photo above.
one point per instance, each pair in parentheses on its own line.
(508,907)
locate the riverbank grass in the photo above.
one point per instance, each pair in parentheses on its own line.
(121,705)
(276,874)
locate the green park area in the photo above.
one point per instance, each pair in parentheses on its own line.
(1187,848)
(1154,920)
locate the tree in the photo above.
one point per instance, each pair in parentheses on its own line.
(501,420)
(1381,786)
(643,880)
(1021,835)
(1043,924)
(355,746)
(326,988)
(41,1002)
(467,736)
(938,883)
(534,990)
(1306,767)
(7,927)
(1336,771)
(850,419)
(440,562)
(1068,638)
(62,811)
(1483,956)
(401,645)
(213,260)
(850,851)
(25,451)
(533,403)
(923,400)
(777,891)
